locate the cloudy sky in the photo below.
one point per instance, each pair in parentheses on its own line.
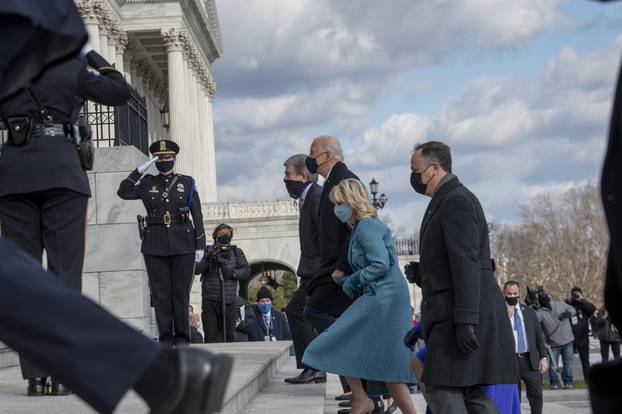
(521,91)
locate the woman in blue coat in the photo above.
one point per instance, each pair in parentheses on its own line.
(366,341)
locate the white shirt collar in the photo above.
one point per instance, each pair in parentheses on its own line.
(306,190)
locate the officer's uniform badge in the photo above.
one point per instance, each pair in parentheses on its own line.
(180,188)
(154,189)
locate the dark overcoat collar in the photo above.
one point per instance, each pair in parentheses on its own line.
(438,197)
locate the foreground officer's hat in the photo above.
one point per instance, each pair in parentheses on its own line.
(164,147)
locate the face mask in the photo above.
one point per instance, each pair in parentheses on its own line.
(265,308)
(295,188)
(165,166)
(343,212)
(511,300)
(225,239)
(311,165)
(417,185)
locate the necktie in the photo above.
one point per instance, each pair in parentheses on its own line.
(519,333)
(266,320)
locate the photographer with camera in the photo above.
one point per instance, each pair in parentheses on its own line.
(554,317)
(171,241)
(222,267)
(580,326)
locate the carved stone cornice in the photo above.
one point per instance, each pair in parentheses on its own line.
(90,10)
(121,41)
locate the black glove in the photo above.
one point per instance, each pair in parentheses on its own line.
(565,315)
(411,338)
(466,339)
(227,272)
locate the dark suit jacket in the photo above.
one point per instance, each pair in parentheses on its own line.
(459,287)
(257,329)
(325,294)
(309,231)
(535,337)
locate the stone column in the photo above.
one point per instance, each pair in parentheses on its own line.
(90,11)
(176,94)
(211,149)
(120,51)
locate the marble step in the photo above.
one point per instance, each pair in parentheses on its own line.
(279,397)
(255,364)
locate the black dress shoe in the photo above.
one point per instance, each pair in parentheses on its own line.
(307,376)
(378,406)
(36,387)
(59,389)
(202,379)
(344,411)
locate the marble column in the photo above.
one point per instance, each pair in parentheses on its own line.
(210,148)
(176,94)
(120,52)
(103,43)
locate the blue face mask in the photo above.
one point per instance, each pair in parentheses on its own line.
(343,212)
(265,308)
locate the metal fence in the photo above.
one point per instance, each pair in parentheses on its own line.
(121,125)
(406,246)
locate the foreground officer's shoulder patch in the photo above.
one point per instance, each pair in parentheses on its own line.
(181,188)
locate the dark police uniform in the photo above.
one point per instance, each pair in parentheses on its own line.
(170,241)
(43,188)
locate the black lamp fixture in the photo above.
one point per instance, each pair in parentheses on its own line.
(165,116)
(377,202)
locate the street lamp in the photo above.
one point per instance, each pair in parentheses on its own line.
(377,202)
(165,116)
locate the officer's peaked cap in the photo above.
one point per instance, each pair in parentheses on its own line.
(164,147)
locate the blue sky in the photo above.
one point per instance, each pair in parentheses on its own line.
(520,90)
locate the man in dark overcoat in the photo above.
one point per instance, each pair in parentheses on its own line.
(468,334)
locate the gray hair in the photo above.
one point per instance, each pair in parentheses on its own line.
(297,162)
(332,145)
(436,151)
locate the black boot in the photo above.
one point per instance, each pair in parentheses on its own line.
(36,387)
(308,376)
(198,383)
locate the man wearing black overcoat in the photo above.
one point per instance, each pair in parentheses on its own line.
(301,186)
(467,331)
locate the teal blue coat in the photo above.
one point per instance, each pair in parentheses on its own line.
(367,340)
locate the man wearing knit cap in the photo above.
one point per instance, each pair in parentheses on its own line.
(266,323)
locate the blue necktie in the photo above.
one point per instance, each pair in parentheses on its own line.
(519,333)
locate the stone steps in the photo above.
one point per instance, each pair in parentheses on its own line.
(255,365)
(280,397)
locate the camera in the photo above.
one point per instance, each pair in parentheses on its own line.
(411,270)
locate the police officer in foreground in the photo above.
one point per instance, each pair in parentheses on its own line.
(44,189)
(173,237)
(222,267)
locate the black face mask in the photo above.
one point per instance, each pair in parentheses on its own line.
(417,185)
(511,300)
(311,165)
(165,166)
(225,239)
(295,188)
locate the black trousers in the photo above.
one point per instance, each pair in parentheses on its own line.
(53,220)
(170,281)
(68,335)
(459,400)
(301,329)
(604,350)
(582,346)
(211,315)
(533,384)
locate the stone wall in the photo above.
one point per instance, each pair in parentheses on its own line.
(114,270)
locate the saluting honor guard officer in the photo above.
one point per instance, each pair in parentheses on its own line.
(171,240)
(44,189)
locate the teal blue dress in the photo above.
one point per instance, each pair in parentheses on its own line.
(367,339)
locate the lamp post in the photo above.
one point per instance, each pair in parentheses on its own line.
(377,202)
(165,116)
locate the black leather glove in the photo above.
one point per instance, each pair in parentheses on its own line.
(466,339)
(565,315)
(411,338)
